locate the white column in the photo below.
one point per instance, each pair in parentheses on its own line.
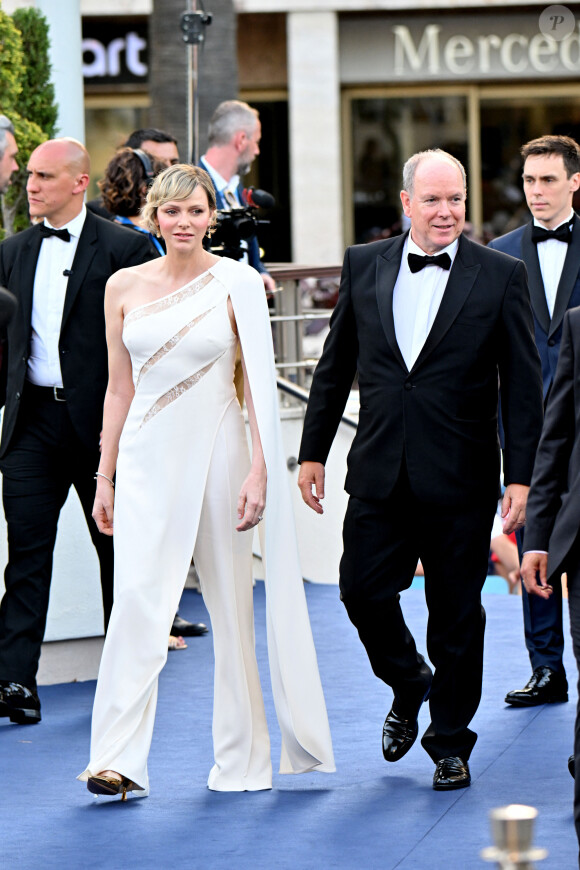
(64,20)
(315,164)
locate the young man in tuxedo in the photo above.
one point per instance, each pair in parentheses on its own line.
(54,379)
(550,247)
(428,319)
(552,539)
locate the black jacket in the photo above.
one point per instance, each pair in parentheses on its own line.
(103,249)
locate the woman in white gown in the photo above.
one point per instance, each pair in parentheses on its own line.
(174,435)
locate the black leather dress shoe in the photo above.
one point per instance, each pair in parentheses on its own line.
(22,705)
(187,629)
(572,766)
(545,686)
(400,731)
(451,773)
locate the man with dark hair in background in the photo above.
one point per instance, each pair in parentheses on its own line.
(549,245)
(162,145)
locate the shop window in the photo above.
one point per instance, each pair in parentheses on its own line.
(385,132)
(506,124)
(106,128)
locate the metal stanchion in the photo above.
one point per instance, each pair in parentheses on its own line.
(512,829)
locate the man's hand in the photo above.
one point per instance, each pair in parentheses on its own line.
(269,283)
(513,507)
(312,474)
(535,565)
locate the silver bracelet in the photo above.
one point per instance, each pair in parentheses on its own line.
(100,474)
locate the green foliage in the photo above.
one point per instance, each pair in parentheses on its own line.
(27,98)
(11,62)
(37,99)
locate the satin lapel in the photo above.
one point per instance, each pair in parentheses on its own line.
(86,250)
(388,265)
(568,278)
(535,282)
(462,277)
(23,280)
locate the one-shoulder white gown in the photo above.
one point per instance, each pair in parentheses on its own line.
(183,456)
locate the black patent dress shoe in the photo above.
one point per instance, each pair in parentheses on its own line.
(545,686)
(19,703)
(572,766)
(181,627)
(400,731)
(451,773)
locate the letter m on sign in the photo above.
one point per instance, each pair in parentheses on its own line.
(406,52)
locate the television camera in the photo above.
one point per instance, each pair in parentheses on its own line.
(237,225)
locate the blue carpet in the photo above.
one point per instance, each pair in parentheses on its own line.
(367,816)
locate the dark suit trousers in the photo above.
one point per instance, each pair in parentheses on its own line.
(543,627)
(382,542)
(45,458)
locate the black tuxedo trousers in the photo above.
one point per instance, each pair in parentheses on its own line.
(383,540)
(45,459)
(47,446)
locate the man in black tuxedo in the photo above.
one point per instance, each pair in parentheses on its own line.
(429,320)
(552,540)
(550,248)
(55,376)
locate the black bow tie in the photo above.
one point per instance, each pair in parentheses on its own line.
(416,262)
(49,231)
(563,233)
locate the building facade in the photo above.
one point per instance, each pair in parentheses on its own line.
(347,90)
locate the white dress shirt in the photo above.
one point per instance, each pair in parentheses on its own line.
(551,255)
(55,257)
(416,300)
(222,186)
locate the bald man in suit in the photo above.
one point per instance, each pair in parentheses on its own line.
(429,320)
(55,375)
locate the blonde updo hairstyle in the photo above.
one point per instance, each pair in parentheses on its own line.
(174,185)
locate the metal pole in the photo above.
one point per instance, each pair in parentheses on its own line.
(191,89)
(193,24)
(194,149)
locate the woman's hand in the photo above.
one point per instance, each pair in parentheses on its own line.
(252,500)
(103,507)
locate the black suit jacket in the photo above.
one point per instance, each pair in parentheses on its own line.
(548,331)
(103,249)
(442,415)
(553,510)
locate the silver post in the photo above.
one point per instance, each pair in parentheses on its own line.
(512,829)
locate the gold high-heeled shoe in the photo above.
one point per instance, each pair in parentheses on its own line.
(109,785)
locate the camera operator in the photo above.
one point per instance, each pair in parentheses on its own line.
(233,142)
